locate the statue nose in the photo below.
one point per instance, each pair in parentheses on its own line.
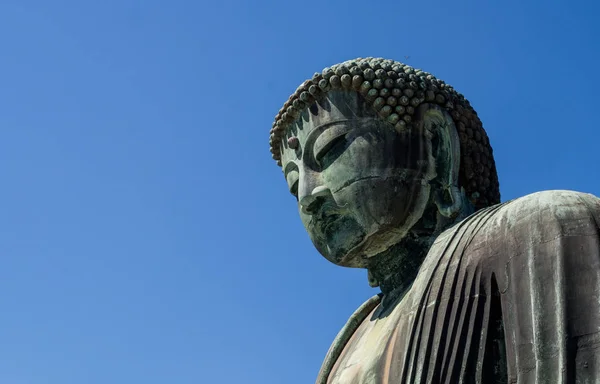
(309,201)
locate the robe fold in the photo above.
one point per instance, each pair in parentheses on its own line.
(509,295)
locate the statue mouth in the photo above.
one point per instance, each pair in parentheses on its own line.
(323,218)
(328,223)
(334,231)
(342,234)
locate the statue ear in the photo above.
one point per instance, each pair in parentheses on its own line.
(443,147)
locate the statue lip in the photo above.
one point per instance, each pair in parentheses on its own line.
(328,220)
(326,216)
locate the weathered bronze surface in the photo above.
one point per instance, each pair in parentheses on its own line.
(394,173)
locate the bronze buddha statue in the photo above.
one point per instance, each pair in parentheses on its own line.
(394,173)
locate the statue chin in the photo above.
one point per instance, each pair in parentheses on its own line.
(351,246)
(340,242)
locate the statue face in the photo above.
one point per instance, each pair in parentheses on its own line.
(360,184)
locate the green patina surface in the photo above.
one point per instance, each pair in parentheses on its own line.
(393,173)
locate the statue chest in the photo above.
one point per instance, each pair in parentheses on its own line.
(366,357)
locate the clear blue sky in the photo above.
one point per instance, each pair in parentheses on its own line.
(146,236)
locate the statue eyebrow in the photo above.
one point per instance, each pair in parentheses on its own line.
(326,125)
(319,129)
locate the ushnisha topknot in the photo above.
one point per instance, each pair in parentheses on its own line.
(395,90)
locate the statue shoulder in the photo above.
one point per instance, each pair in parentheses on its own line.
(554,198)
(544,211)
(493,234)
(554,205)
(537,217)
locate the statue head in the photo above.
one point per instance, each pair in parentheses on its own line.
(375,152)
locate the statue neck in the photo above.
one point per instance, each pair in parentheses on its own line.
(395,269)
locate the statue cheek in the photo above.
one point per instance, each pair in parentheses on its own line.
(364,200)
(381,202)
(369,157)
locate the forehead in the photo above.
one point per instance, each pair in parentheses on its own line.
(337,106)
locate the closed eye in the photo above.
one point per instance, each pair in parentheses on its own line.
(331,142)
(331,151)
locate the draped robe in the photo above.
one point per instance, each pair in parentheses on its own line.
(510,294)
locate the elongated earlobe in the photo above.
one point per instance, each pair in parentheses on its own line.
(439,126)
